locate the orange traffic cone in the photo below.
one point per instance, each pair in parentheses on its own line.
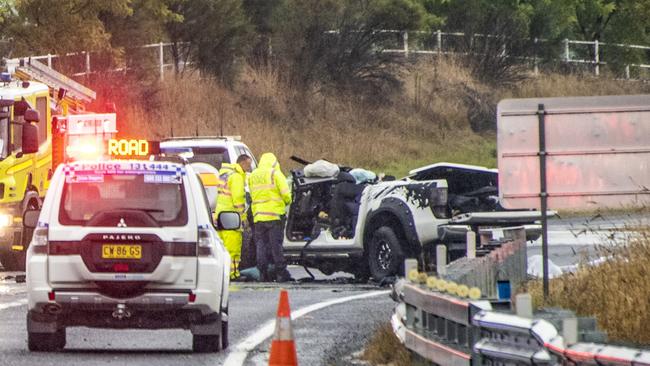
(283,348)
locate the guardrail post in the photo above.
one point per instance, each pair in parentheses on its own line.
(627,72)
(439,41)
(524,305)
(596,58)
(409,265)
(441,259)
(161,58)
(570,330)
(49,60)
(471,245)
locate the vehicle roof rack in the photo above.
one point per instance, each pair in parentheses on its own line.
(228,138)
(169,158)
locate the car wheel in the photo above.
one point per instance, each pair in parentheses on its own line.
(206,343)
(46,342)
(385,254)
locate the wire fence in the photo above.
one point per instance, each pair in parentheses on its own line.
(590,56)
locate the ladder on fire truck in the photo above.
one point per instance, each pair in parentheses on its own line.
(30,69)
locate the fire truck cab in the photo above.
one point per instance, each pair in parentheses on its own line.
(43,123)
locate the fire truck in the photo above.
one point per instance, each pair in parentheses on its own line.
(43,122)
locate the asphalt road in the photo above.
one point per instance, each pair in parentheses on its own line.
(324,336)
(327,336)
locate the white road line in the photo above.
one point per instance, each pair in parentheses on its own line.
(14,304)
(238,355)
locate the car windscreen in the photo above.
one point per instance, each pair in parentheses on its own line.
(210,155)
(87,199)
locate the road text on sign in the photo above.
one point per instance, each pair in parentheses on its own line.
(124,147)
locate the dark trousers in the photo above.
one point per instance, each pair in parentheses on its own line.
(268,239)
(248,251)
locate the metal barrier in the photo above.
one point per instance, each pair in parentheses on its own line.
(447,329)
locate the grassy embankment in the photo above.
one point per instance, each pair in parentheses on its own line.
(424,123)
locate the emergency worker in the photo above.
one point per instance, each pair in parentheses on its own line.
(270,196)
(231,196)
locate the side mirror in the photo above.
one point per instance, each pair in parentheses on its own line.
(21,107)
(30,218)
(31,116)
(29,138)
(228,220)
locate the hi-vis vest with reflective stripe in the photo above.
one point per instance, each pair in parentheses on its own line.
(270,194)
(231,195)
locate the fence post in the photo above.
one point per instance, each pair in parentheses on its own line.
(405,40)
(87,63)
(471,244)
(596,58)
(439,41)
(409,265)
(567,57)
(161,60)
(535,66)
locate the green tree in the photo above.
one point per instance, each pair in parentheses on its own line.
(39,26)
(260,14)
(145,24)
(339,42)
(614,21)
(213,33)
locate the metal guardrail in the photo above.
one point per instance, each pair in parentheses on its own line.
(448,329)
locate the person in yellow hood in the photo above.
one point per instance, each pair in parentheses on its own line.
(231,196)
(270,195)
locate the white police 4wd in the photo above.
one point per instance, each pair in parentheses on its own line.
(127,244)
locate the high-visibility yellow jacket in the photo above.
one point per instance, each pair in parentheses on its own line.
(270,192)
(231,194)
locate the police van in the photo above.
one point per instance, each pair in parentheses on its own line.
(127,244)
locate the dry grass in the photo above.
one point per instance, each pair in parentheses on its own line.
(384,348)
(424,123)
(616,292)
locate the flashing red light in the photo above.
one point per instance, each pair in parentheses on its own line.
(120,267)
(51,296)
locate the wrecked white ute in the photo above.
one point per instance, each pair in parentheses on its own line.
(335,224)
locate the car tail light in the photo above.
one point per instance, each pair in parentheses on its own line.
(192,297)
(39,241)
(207,243)
(438,202)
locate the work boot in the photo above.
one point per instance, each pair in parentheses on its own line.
(283,276)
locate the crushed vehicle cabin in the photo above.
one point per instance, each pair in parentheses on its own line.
(336,223)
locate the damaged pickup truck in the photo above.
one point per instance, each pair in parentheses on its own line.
(368,228)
